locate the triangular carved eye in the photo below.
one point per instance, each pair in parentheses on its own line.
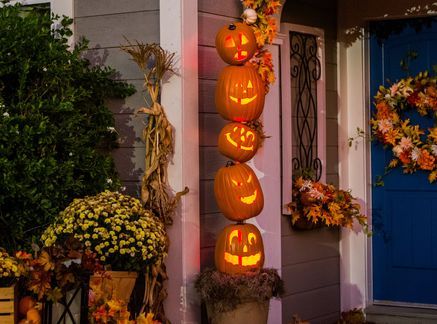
(243,39)
(251,238)
(229,41)
(249,85)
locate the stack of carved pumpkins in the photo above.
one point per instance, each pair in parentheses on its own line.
(239,98)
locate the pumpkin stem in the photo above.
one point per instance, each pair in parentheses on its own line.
(232,27)
(229,163)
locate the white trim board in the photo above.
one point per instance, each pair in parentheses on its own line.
(355,247)
(178,33)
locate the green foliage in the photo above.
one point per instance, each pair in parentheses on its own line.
(55,130)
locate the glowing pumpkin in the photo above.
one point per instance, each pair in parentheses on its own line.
(236,43)
(239,248)
(238,142)
(238,192)
(240,93)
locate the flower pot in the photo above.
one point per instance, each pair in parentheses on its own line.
(119,284)
(303,224)
(252,312)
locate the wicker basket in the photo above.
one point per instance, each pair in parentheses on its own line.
(119,284)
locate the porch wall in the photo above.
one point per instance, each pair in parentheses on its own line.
(212,15)
(105,24)
(310,260)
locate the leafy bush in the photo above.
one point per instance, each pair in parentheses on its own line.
(55,130)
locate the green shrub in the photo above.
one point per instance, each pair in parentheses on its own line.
(55,130)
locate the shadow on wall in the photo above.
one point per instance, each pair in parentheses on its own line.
(354,15)
(129,155)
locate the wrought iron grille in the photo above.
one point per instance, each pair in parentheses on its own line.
(305,72)
(67,316)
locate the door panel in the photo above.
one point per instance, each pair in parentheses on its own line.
(404,212)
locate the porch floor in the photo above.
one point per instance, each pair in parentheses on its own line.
(400,315)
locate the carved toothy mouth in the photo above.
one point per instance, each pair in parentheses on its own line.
(248,200)
(243,260)
(240,55)
(241,147)
(243,101)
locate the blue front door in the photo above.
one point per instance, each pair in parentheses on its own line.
(404,209)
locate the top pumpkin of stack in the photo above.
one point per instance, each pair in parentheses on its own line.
(236,43)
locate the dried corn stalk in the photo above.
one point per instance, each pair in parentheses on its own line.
(155,62)
(156,195)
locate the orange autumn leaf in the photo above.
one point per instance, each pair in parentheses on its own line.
(426,161)
(45,261)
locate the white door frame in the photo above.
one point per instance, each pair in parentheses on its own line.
(354,169)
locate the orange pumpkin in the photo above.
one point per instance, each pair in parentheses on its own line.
(238,142)
(236,43)
(239,248)
(240,93)
(33,316)
(25,304)
(238,192)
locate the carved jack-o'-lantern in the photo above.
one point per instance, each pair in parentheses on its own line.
(240,93)
(238,192)
(238,142)
(236,43)
(239,248)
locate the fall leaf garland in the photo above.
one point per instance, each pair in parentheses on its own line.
(320,203)
(265,30)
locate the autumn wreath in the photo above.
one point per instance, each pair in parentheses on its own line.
(413,148)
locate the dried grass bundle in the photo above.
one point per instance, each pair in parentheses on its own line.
(156,195)
(226,291)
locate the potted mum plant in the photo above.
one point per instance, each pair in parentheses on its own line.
(316,204)
(124,237)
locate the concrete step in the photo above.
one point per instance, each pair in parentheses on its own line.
(400,315)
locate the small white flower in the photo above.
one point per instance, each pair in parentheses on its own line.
(70,154)
(415,154)
(8,54)
(314,193)
(397,150)
(6,114)
(123,189)
(384,125)
(109,181)
(406,143)
(44,69)
(434,149)
(307,184)
(111,129)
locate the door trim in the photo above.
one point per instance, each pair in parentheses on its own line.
(354,171)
